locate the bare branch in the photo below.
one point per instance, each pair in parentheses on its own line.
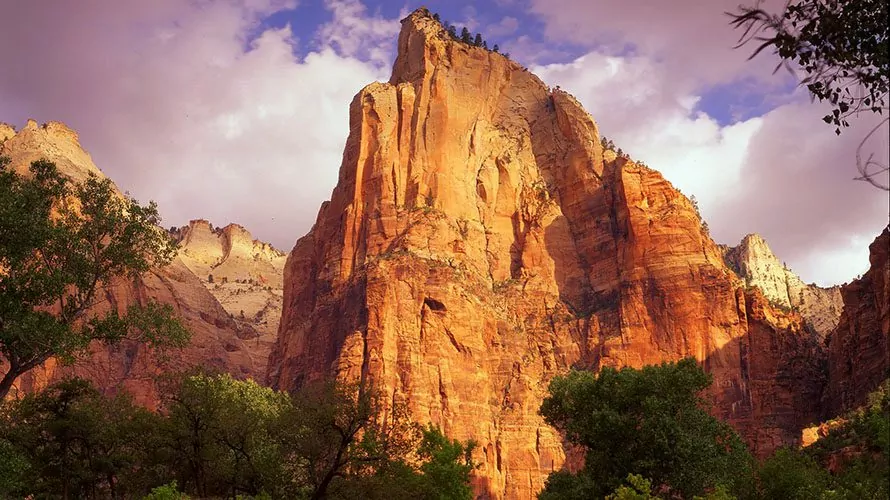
(870,169)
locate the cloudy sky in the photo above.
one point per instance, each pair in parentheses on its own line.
(236,110)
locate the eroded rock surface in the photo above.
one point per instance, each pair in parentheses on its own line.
(480,241)
(244,274)
(755,262)
(218,341)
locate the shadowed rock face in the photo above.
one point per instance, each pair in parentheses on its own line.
(480,241)
(219,342)
(858,350)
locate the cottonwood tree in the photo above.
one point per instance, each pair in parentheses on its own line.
(61,245)
(69,441)
(652,422)
(841,46)
(219,436)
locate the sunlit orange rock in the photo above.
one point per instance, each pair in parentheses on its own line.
(480,241)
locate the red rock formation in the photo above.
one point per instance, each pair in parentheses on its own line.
(218,341)
(480,241)
(858,350)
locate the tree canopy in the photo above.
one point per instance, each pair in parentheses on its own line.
(215,436)
(60,245)
(651,422)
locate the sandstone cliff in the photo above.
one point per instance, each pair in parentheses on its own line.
(244,274)
(480,241)
(218,341)
(858,350)
(754,262)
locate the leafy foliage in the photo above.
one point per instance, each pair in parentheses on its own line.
(71,441)
(216,436)
(792,475)
(651,422)
(637,488)
(166,492)
(60,245)
(842,46)
(219,434)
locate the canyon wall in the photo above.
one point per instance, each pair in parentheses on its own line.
(219,342)
(858,350)
(480,240)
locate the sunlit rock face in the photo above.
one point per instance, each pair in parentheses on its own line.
(244,274)
(858,350)
(220,341)
(756,263)
(480,241)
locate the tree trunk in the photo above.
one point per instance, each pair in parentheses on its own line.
(7,381)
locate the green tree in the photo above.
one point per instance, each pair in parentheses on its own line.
(637,488)
(342,439)
(792,475)
(60,245)
(71,442)
(446,467)
(651,422)
(465,36)
(220,435)
(478,40)
(166,492)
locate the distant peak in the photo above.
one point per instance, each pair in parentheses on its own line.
(753,242)
(422,19)
(753,238)
(52,129)
(6,131)
(53,141)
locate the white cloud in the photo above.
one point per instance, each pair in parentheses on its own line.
(176,103)
(691,37)
(355,33)
(177,106)
(506,26)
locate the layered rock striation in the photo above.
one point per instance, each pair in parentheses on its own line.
(480,241)
(754,261)
(219,342)
(244,274)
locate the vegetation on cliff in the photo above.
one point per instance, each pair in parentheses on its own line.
(852,461)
